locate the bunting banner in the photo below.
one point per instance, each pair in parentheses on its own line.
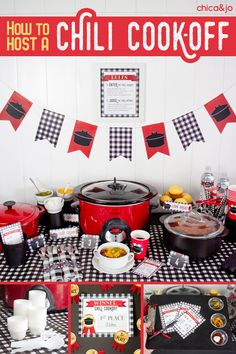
(15,109)
(50,126)
(155,139)
(120,139)
(82,137)
(188,129)
(220,111)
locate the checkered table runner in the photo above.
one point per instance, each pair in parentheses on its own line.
(55,321)
(208,270)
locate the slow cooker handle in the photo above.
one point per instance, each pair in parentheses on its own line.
(75,205)
(49,295)
(41,210)
(155,205)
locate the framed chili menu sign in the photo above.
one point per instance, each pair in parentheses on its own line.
(120,92)
(102,315)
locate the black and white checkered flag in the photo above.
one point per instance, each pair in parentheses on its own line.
(120,142)
(50,126)
(188,129)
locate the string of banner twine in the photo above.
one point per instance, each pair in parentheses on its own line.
(136,127)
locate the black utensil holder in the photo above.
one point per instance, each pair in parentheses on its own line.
(15,254)
(56,220)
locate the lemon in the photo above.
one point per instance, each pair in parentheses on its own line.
(175,191)
(181,200)
(166,193)
(188,197)
(165,198)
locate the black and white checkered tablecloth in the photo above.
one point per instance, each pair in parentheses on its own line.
(233,327)
(55,321)
(204,270)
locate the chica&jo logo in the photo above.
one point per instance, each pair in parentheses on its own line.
(225,8)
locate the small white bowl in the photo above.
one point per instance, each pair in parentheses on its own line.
(67,196)
(54,204)
(41,199)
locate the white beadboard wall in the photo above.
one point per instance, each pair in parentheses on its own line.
(66,85)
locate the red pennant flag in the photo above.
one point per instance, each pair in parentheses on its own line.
(155,139)
(82,137)
(220,112)
(16,109)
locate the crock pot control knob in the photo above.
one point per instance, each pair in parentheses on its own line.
(115,230)
(9,204)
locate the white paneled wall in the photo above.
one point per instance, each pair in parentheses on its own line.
(66,85)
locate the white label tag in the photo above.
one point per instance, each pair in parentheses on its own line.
(71,218)
(64,233)
(180,207)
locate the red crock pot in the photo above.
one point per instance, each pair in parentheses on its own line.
(57,294)
(113,209)
(27,214)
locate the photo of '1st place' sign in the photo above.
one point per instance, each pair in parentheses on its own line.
(87,34)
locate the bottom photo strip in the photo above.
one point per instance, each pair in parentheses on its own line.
(95,318)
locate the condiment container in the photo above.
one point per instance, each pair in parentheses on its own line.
(37,297)
(37,317)
(17,327)
(21,306)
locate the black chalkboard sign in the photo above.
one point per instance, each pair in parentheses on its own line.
(36,242)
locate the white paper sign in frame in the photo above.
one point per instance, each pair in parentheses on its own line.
(120,92)
(111,313)
(96,91)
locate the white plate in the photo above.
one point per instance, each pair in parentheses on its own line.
(125,269)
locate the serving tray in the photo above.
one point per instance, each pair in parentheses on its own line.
(199,340)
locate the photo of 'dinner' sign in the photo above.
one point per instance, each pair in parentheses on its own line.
(105,314)
(87,34)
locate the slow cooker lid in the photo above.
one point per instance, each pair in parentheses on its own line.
(193,224)
(115,192)
(11,212)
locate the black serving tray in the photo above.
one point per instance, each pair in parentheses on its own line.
(199,340)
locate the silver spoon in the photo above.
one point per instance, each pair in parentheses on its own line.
(31,180)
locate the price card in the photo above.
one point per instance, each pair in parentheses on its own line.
(178,260)
(148,267)
(12,234)
(36,242)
